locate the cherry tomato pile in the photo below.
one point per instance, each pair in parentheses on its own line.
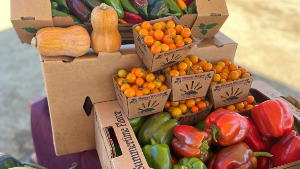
(227,71)
(186,106)
(246,105)
(140,82)
(188,67)
(162,37)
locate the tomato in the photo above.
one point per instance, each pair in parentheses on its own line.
(245,104)
(150,77)
(138,28)
(167,39)
(190,103)
(226,71)
(201,105)
(171,32)
(250,99)
(122,73)
(151,33)
(174,67)
(143,32)
(176,112)
(224,75)
(222,64)
(163,26)
(222,81)
(171,109)
(188,40)
(243,70)
(161,78)
(178,29)
(194,59)
(158,35)
(157,26)
(197,69)
(182,102)
(121,81)
(145,85)
(245,75)
(197,100)
(207,103)
(172,46)
(186,59)
(230,107)
(131,77)
(167,105)
(135,87)
(157,42)
(146,91)
(129,92)
(155,49)
(182,72)
(125,87)
(202,63)
(155,90)
(190,72)
(218,69)
(139,81)
(240,73)
(149,41)
(179,43)
(213,83)
(157,84)
(167,69)
(216,77)
(164,47)
(239,106)
(175,104)
(171,24)
(182,66)
(195,109)
(207,67)
(182,107)
(249,107)
(227,63)
(233,67)
(139,93)
(174,73)
(163,87)
(189,64)
(234,75)
(151,85)
(145,25)
(139,72)
(185,32)
(177,38)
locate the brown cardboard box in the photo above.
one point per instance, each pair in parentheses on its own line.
(164,59)
(209,19)
(69,81)
(220,47)
(188,86)
(28,16)
(139,106)
(109,116)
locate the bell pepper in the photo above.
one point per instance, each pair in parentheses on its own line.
(159,127)
(227,127)
(158,156)
(92,3)
(188,2)
(269,142)
(132,17)
(60,13)
(253,139)
(296,126)
(128,6)
(81,11)
(174,161)
(273,118)
(174,7)
(201,125)
(62,4)
(192,8)
(191,142)
(264,163)
(287,150)
(236,156)
(54,5)
(192,163)
(137,123)
(116,4)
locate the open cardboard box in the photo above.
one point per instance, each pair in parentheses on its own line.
(110,117)
(188,86)
(209,19)
(139,106)
(163,59)
(28,16)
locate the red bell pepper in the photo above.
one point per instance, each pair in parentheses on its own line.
(269,142)
(264,163)
(190,142)
(238,156)
(227,127)
(188,2)
(132,17)
(287,149)
(77,8)
(273,118)
(253,139)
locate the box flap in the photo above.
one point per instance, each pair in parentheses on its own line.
(30,10)
(211,7)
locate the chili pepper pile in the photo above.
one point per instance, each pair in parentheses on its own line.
(225,139)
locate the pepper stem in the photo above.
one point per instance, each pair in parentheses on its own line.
(204,147)
(143,8)
(104,6)
(152,141)
(215,132)
(262,154)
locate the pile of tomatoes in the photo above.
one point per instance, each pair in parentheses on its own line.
(186,106)
(162,37)
(140,82)
(188,67)
(227,71)
(246,105)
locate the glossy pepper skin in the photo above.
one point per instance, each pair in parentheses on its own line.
(264,163)
(54,5)
(227,127)
(174,161)
(158,156)
(60,13)
(174,7)
(191,142)
(81,11)
(128,6)
(237,156)
(192,163)
(192,8)
(188,2)
(62,4)
(141,6)
(287,150)
(273,118)
(137,123)
(201,125)
(253,139)
(132,18)
(159,127)
(92,3)
(269,142)
(116,4)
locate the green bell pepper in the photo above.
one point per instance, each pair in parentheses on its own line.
(128,6)
(54,5)
(137,123)
(174,7)
(192,8)
(201,125)
(296,126)
(158,156)
(60,13)
(116,4)
(192,163)
(63,5)
(92,3)
(159,127)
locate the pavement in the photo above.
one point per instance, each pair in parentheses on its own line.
(267,32)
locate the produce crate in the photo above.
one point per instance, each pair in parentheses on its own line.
(28,16)
(164,59)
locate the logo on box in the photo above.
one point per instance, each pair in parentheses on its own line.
(233,95)
(150,107)
(192,90)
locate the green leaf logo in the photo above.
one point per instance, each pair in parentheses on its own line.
(204,32)
(204,27)
(30,30)
(210,26)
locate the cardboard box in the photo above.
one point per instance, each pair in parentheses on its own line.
(28,16)
(193,118)
(139,106)
(164,59)
(188,86)
(109,115)
(209,19)
(220,47)
(72,83)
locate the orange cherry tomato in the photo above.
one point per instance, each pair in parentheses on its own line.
(190,103)
(139,81)
(202,63)
(188,40)
(125,87)
(218,69)
(190,72)
(167,39)
(171,24)
(249,107)
(179,43)
(161,78)
(245,104)
(174,67)
(151,85)
(131,77)
(146,91)
(239,106)
(145,85)
(163,26)
(225,71)
(145,25)
(182,66)
(139,93)
(143,32)
(135,87)
(243,70)
(176,112)
(250,99)
(157,42)
(167,69)
(216,77)
(185,32)
(197,100)
(157,26)
(231,107)
(195,109)
(207,67)
(224,75)
(177,38)
(138,28)
(201,105)
(245,75)
(194,59)
(213,83)
(227,63)
(171,32)
(233,67)
(172,46)
(182,72)
(197,69)
(139,72)
(148,40)
(155,90)
(155,49)
(151,33)
(178,29)
(163,87)
(129,92)
(157,83)
(121,81)
(158,35)
(234,75)
(164,47)
(174,73)
(167,105)
(222,64)
(150,77)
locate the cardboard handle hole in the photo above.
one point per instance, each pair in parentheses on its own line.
(215,14)
(87,106)
(113,142)
(27,17)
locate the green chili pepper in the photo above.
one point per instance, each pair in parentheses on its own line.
(201,125)
(296,126)
(137,123)
(62,4)
(158,156)
(60,13)
(54,5)
(174,7)
(128,6)
(192,163)
(192,8)
(92,3)
(116,4)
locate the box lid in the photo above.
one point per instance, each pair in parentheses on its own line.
(211,7)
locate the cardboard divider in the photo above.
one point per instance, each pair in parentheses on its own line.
(164,59)
(139,106)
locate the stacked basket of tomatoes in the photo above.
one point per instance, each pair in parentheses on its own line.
(245,105)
